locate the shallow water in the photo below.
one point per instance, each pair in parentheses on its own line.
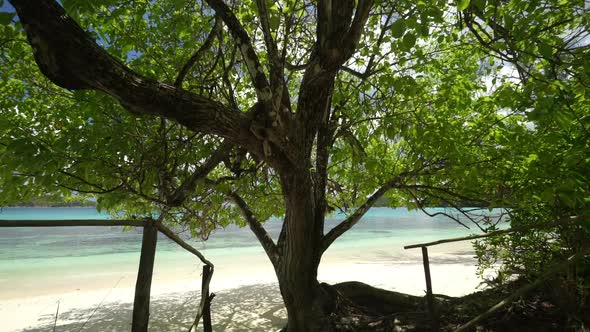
(28,255)
(397,225)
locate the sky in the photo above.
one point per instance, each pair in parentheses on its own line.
(6,7)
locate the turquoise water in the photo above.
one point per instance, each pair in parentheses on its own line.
(41,243)
(29,252)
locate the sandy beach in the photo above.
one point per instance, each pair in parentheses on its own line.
(247,296)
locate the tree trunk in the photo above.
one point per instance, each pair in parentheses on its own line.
(306,302)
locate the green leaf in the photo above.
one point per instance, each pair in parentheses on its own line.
(545,50)
(274,21)
(424,29)
(398,28)
(532,157)
(508,21)
(463,4)
(409,40)
(6,18)
(179,4)
(480,4)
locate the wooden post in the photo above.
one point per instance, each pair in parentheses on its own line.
(429,295)
(204,306)
(141,304)
(205,293)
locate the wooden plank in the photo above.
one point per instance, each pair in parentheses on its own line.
(71,222)
(429,294)
(141,303)
(560,222)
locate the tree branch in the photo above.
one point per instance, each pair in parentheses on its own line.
(174,237)
(356,28)
(83,191)
(276,63)
(296,67)
(68,56)
(244,42)
(369,68)
(263,237)
(345,225)
(231,97)
(83,181)
(271,47)
(364,75)
(193,59)
(185,189)
(448,192)
(396,182)
(338,34)
(431,215)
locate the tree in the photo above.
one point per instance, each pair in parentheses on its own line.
(289,108)
(548,175)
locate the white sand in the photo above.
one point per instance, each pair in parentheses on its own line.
(247,294)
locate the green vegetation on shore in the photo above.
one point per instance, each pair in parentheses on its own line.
(45,202)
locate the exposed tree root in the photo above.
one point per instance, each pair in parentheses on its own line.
(360,307)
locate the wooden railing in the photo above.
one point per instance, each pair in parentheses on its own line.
(141,303)
(430,296)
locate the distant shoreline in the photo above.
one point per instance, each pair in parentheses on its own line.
(50,206)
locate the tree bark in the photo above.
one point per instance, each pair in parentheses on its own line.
(305,301)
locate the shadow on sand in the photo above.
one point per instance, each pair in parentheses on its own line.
(248,308)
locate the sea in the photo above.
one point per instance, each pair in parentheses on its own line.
(30,253)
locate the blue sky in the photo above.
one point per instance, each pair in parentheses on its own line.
(6,7)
